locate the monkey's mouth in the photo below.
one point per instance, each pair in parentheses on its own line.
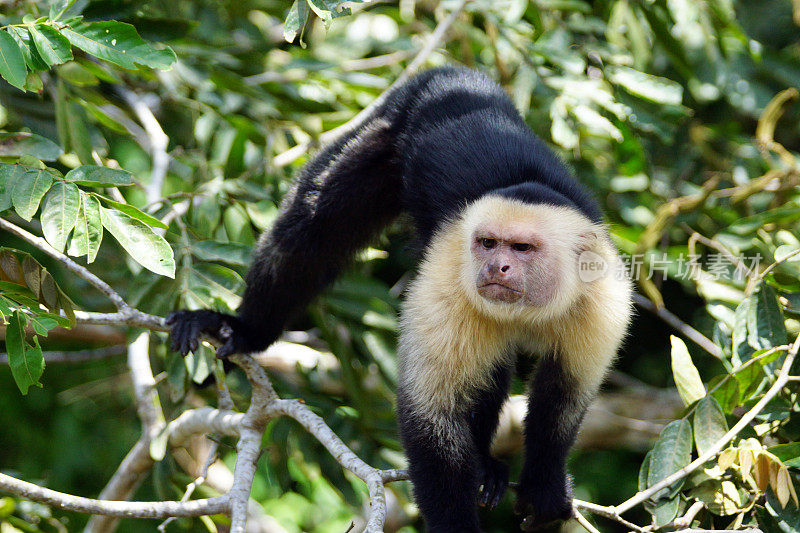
(498,291)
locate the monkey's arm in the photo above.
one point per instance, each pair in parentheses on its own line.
(342,198)
(483,418)
(556,407)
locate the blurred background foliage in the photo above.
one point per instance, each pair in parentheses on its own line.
(680,115)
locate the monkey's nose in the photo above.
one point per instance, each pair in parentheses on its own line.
(505,268)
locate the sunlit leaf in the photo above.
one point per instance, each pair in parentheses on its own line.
(53,47)
(145,246)
(29,190)
(23,143)
(295,20)
(88,232)
(60,213)
(96,176)
(118,43)
(687,378)
(12,64)
(654,88)
(133,212)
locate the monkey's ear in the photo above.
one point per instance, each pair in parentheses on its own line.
(589,240)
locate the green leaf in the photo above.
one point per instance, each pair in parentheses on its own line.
(789,454)
(23,143)
(26,362)
(145,246)
(644,471)
(72,126)
(42,325)
(765,325)
(709,424)
(664,511)
(727,395)
(88,231)
(65,8)
(27,47)
(295,20)
(60,213)
(28,191)
(741,351)
(227,252)
(53,47)
(200,363)
(653,88)
(12,63)
(687,378)
(96,176)
(133,212)
(720,497)
(117,43)
(672,451)
(9,175)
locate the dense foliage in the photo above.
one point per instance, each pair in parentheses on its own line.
(682,116)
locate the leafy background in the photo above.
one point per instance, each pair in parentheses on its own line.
(681,116)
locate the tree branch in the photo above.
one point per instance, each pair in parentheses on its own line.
(71,265)
(68,502)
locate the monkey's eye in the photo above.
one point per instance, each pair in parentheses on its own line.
(488,243)
(522,246)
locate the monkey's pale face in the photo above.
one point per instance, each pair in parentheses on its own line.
(513,264)
(521,260)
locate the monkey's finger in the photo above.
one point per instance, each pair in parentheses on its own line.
(499,491)
(173,317)
(177,336)
(484,494)
(226,349)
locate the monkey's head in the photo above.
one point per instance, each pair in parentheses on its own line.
(523,258)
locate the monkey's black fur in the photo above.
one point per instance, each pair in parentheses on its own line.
(445,138)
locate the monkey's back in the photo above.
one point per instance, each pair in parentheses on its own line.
(459,138)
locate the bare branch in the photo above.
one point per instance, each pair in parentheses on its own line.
(130,317)
(68,502)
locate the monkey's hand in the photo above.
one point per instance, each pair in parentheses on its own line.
(495,482)
(546,502)
(227,330)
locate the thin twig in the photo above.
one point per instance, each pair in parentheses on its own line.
(688,331)
(607,512)
(585,523)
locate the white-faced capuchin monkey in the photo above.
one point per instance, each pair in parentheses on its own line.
(505,231)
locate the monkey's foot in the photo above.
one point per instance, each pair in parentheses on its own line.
(495,482)
(545,504)
(189,326)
